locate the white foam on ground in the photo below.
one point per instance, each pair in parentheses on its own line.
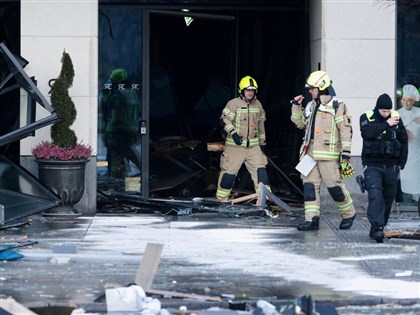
(224,248)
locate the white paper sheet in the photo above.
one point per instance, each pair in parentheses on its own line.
(306,165)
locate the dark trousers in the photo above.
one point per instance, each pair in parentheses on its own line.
(119,146)
(381,184)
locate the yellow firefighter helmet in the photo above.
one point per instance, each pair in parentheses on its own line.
(247,82)
(320,80)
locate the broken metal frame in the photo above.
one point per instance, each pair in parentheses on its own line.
(34,95)
(21,193)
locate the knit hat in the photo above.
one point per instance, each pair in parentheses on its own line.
(410,91)
(384,102)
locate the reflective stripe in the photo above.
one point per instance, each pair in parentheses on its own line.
(312,208)
(346,144)
(238,122)
(245,110)
(346,206)
(229,128)
(297,114)
(369,114)
(326,155)
(332,135)
(222,193)
(339,119)
(228,113)
(252,142)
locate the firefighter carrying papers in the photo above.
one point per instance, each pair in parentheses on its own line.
(305,165)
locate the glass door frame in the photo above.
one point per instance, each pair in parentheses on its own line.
(145,134)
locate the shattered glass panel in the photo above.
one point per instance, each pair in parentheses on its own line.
(21,194)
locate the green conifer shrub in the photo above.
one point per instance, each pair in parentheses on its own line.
(61,133)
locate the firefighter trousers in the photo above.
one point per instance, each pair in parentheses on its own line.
(230,163)
(326,172)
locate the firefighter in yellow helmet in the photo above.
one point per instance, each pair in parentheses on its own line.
(327,140)
(243,120)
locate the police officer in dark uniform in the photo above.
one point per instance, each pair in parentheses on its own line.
(384,154)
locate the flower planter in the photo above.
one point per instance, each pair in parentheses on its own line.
(67,180)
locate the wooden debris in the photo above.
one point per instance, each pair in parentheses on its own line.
(149,265)
(215,146)
(184,295)
(14,239)
(10,306)
(244,198)
(403,234)
(147,271)
(262,196)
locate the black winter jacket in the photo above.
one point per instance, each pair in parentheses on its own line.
(383,145)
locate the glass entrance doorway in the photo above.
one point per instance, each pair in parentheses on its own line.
(120,99)
(174,71)
(192,71)
(164,77)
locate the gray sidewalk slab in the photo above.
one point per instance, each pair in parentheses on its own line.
(247,258)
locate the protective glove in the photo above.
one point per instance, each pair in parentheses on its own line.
(263,148)
(346,170)
(237,138)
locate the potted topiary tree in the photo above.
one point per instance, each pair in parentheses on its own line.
(62,161)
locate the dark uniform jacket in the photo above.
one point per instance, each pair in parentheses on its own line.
(383,145)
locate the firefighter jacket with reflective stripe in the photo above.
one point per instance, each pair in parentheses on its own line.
(383,145)
(246,119)
(327,128)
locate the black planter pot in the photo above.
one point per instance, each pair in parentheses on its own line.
(67,180)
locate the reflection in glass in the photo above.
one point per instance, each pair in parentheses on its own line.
(119,108)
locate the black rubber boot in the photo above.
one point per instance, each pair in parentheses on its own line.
(309,225)
(377,234)
(347,223)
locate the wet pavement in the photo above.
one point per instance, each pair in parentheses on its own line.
(242,258)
